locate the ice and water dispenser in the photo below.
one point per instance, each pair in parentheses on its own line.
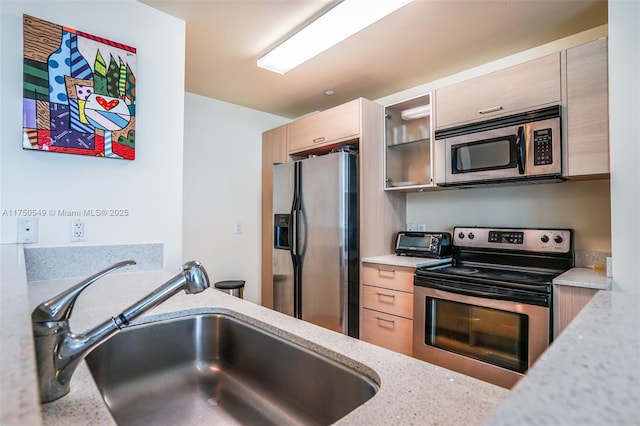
(281,231)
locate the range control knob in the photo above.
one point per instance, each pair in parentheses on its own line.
(544,239)
(471,236)
(558,239)
(461,235)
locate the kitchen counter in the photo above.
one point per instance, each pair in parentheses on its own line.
(584,277)
(407,261)
(411,391)
(589,376)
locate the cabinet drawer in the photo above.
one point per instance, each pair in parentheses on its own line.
(516,89)
(389,331)
(389,301)
(393,277)
(337,124)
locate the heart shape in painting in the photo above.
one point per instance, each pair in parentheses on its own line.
(107,105)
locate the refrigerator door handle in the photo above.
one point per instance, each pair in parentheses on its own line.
(295,254)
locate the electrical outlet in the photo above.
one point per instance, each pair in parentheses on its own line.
(27,230)
(422,227)
(78,229)
(239,228)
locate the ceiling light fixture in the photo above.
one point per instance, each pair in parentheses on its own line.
(342,21)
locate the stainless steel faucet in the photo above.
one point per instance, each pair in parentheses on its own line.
(59,351)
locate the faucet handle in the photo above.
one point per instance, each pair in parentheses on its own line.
(59,307)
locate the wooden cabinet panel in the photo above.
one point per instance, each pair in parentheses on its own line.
(325,128)
(389,331)
(389,301)
(568,301)
(387,276)
(516,89)
(587,118)
(274,150)
(386,313)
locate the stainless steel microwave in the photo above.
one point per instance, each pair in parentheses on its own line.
(522,147)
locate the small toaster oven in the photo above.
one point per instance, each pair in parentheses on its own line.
(423,244)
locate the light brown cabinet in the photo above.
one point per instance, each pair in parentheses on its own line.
(386,317)
(274,150)
(325,129)
(587,111)
(568,301)
(519,88)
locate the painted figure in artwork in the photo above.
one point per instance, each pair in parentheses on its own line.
(74,101)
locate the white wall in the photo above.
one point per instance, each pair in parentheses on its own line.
(149,187)
(222,188)
(624,111)
(581,206)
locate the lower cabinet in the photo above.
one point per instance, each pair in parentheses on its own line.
(568,301)
(386,317)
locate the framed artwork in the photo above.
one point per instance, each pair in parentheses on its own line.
(79,92)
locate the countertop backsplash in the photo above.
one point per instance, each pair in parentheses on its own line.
(51,263)
(587,259)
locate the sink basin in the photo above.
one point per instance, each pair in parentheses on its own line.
(216,369)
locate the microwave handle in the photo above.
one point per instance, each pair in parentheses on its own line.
(521,147)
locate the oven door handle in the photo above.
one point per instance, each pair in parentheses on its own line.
(522,152)
(467,292)
(538,299)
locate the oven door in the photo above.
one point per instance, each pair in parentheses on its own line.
(491,340)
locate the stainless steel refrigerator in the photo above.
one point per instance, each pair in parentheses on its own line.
(315,256)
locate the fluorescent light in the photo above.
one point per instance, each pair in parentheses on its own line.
(339,23)
(416,112)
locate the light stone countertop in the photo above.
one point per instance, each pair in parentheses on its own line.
(406,261)
(411,391)
(589,376)
(584,277)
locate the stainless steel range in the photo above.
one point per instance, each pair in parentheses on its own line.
(488,313)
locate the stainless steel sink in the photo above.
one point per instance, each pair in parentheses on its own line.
(216,369)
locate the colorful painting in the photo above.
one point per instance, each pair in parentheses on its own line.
(79,92)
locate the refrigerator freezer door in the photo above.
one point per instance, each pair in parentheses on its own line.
(283,273)
(323,232)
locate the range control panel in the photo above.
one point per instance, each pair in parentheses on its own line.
(522,239)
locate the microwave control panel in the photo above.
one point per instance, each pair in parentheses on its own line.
(542,147)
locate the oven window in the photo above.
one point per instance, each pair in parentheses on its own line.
(489,154)
(490,335)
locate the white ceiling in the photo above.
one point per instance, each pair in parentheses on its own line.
(424,41)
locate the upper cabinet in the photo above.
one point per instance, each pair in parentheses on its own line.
(408,145)
(587,111)
(325,129)
(512,90)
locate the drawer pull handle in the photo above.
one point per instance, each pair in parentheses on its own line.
(318,140)
(391,272)
(492,109)
(392,296)
(392,322)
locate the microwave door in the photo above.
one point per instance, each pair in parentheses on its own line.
(489,155)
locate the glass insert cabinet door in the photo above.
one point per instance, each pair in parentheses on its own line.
(408,127)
